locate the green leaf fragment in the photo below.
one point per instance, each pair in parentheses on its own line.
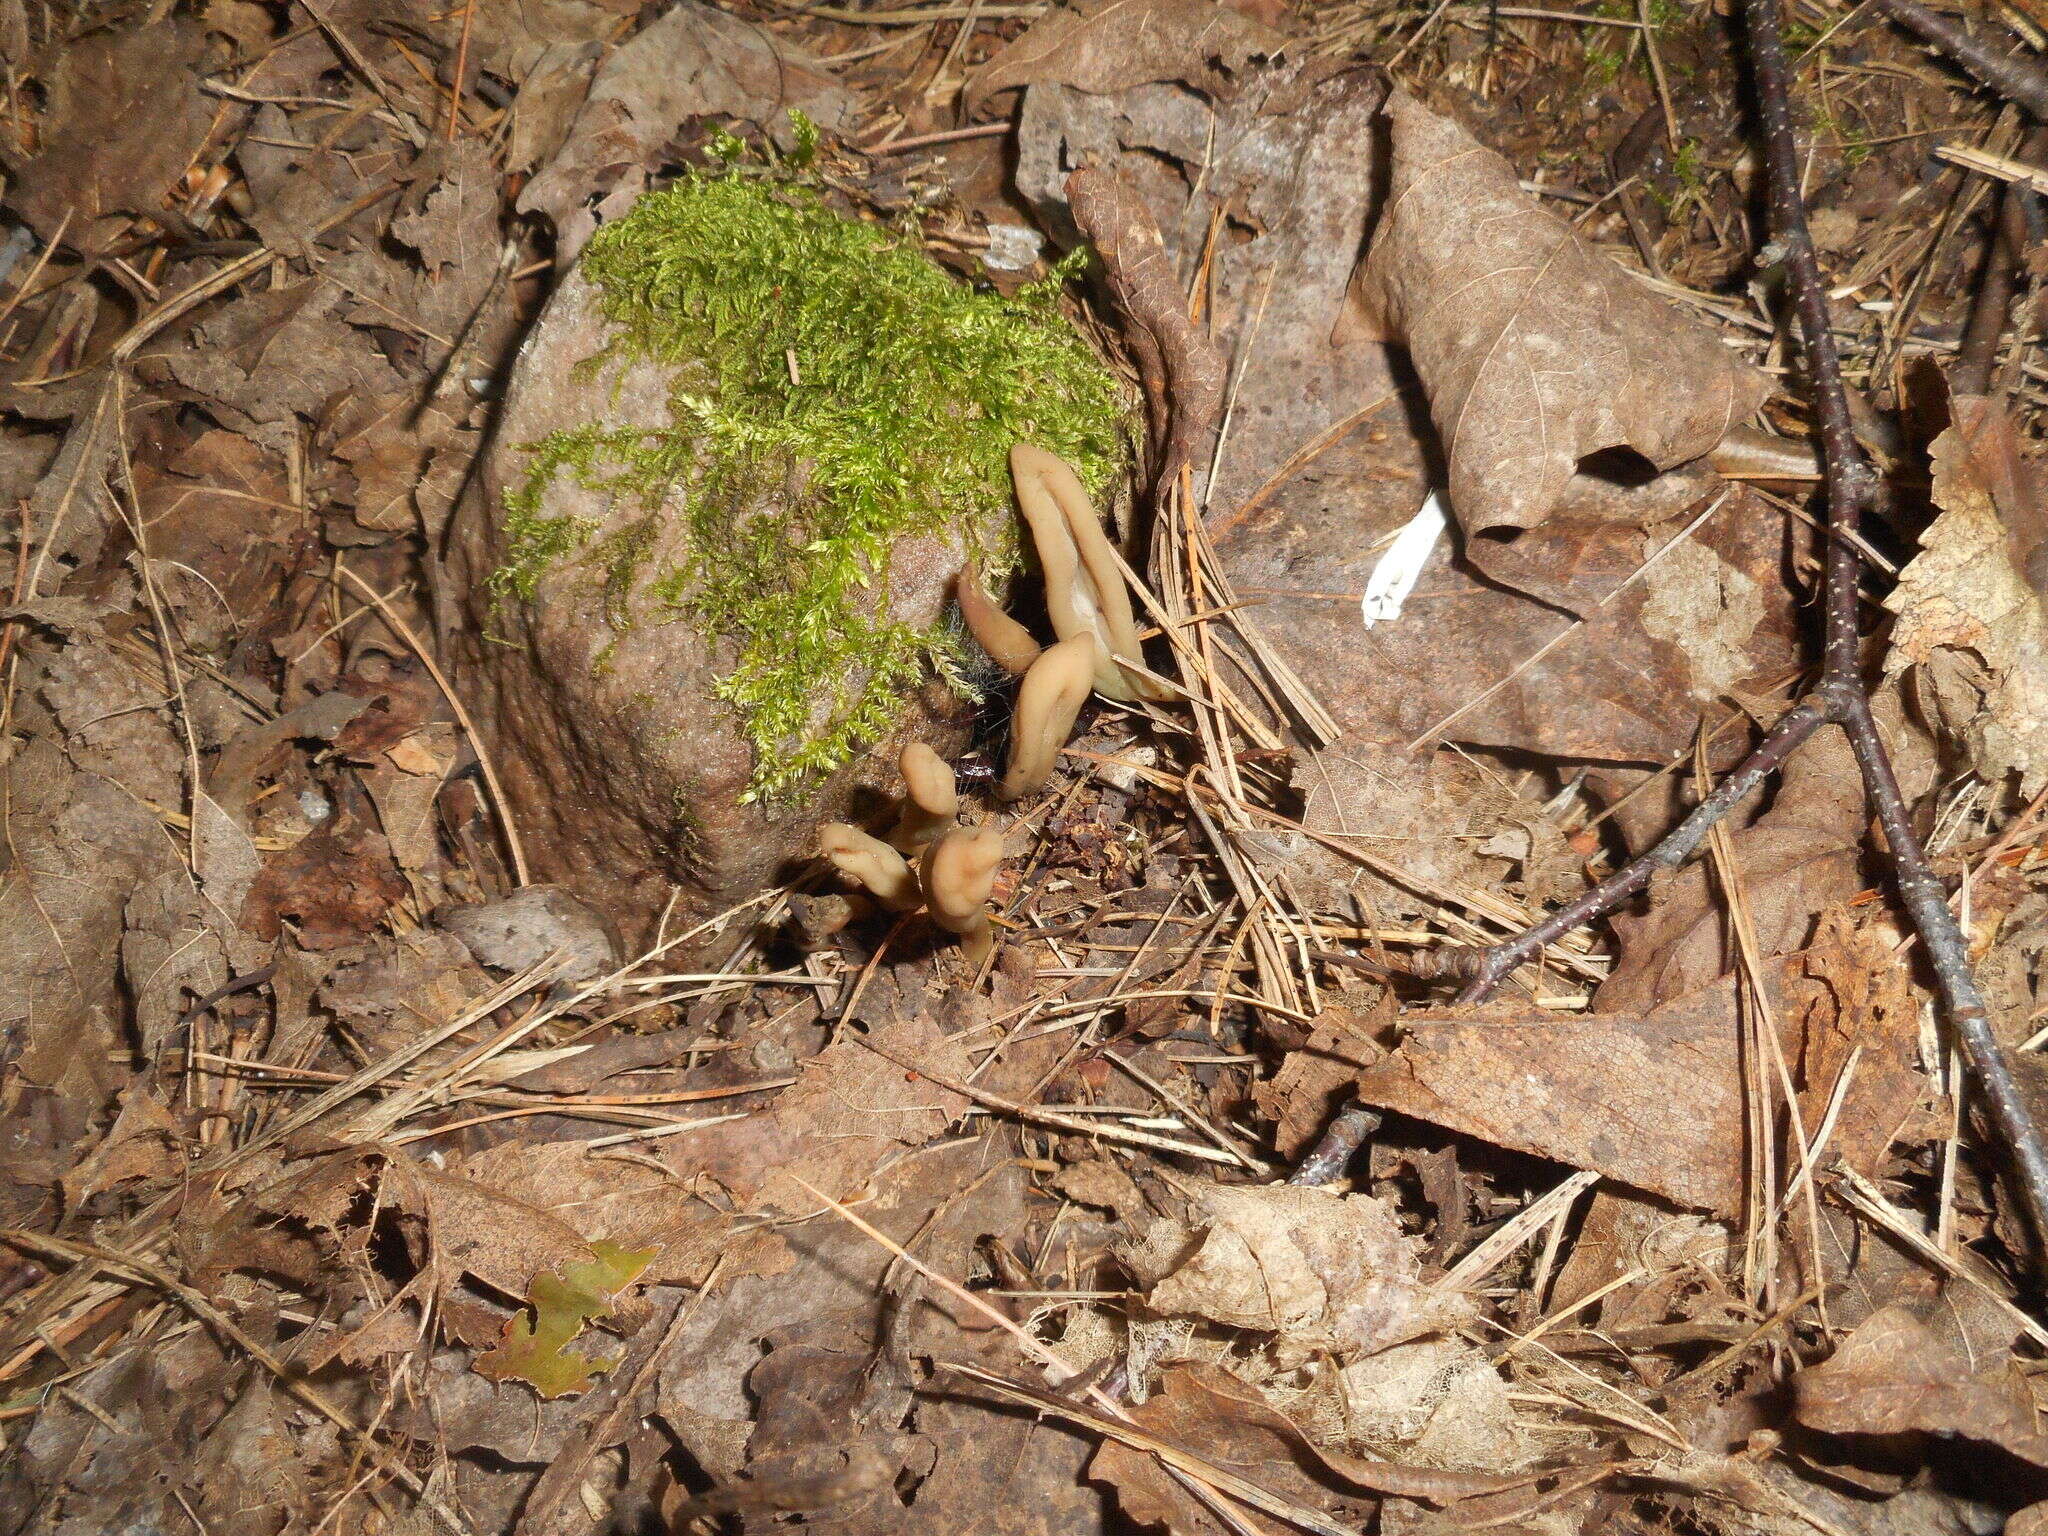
(535,1346)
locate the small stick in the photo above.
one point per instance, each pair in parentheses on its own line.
(1978,358)
(476,741)
(1334,1149)
(2025,83)
(461,69)
(926,140)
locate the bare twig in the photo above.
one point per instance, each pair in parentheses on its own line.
(1841,697)
(2018,79)
(1851,483)
(1334,1149)
(1978,358)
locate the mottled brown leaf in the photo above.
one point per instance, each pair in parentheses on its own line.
(124,118)
(1652,1099)
(334,888)
(1321,1269)
(849,1110)
(1113,46)
(1802,856)
(1536,350)
(1891,1376)
(694,61)
(1971,623)
(1228,1423)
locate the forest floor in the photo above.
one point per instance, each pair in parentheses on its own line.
(345,1189)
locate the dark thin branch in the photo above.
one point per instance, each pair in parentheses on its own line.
(1500,959)
(1850,483)
(1841,696)
(1977,359)
(2019,79)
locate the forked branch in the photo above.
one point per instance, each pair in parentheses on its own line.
(1841,698)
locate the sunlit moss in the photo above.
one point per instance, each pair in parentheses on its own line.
(813,353)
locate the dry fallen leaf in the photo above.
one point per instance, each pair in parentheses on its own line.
(1536,350)
(1204,1410)
(334,888)
(1891,1376)
(692,62)
(849,1110)
(1320,1269)
(1801,856)
(124,117)
(1102,48)
(1654,1098)
(1970,619)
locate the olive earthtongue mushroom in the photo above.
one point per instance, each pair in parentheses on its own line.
(1048,699)
(959,872)
(1084,586)
(870,863)
(930,798)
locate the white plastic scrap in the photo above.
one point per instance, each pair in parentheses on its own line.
(1401,566)
(1011,247)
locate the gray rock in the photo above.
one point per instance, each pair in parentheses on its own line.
(625,771)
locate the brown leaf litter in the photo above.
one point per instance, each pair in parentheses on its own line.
(355,1181)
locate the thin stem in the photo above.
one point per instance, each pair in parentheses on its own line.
(1977,360)
(1850,484)
(1335,1148)
(2019,79)
(1677,845)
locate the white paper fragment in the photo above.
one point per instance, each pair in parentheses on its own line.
(1011,247)
(1401,566)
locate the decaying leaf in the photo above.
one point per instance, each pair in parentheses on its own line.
(1802,856)
(1435,1402)
(1536,350)
(144,1142)
(1891,1376)
(1654,1098)
(693,62)
(332,887)
(1117,44)
(851,1106)
(1228,1423)
(125,118)
(535,1347)
(1321,1270)
(1970,617)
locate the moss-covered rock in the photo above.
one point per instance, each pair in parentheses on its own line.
(742,454)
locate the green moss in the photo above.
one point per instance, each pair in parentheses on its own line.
(831,392)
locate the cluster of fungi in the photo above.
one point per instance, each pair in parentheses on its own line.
(927,859)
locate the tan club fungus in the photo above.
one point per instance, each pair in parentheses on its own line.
(1048,699)
(1084,585)
(958,872)
(931,799)
(870,864)
(1008,643)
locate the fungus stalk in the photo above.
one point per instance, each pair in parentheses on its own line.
(1048,699)
(959,872)
(930,798)
(1008,643)
(869,863)
(1084,586)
